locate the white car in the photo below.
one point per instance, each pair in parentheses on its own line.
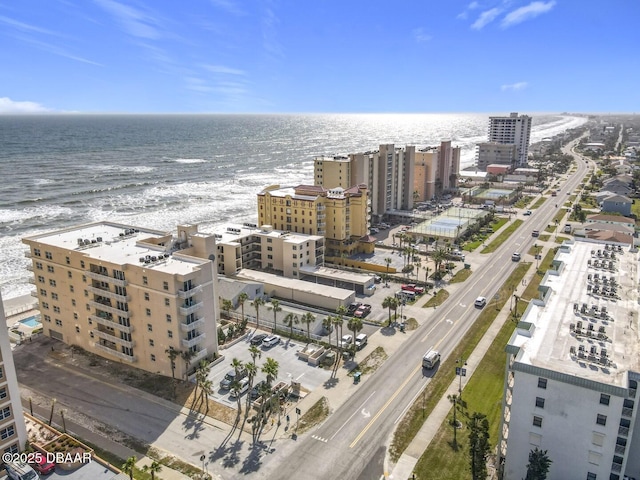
(346,340)
(516,257)
(480,302)
(270,341)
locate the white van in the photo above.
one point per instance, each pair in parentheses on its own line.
(244,386)
(406,295)
(361,341)
(430,359)
(21,471)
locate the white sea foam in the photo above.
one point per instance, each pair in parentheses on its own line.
(190,160)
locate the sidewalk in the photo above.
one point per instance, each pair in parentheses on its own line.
(403,470)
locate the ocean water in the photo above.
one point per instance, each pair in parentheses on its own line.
(159,170)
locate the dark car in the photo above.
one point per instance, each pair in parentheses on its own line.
(257,339)
(255,391)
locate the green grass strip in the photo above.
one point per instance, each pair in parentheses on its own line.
(500,239)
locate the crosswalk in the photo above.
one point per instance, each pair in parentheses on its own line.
(320,439)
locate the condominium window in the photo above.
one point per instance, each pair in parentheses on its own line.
(81,263)
(77,329)
(73,302)
(269,240)
(43,292)
(71,288)
(601,419)
(542,382)
(165,285)
(149,327)
(40,278)
(148,310)
(3,393)
(168,318)
(537,421)
(69,274)
(145,280)
(39,265)
(75,316)
(591,476)
(7,432)
(48,255)
(146,297)
(47,318)
(36,252)
(5,413)
(539,402)
(151,344)
(169,333)
(54,296)
(50,269)
(45,305)
(1,373)
(56,309)
(604,399)
(12,449)
(167,302)
(58,322)
(68,260)
(153,357)
(52,282)
(84,279)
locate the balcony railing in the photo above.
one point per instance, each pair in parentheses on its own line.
(34,294)
(32,281)
(620,449)
(191,292)
(632,392)
(28,254)
(113,338)
(115,353)
(321,208)
(111,324)
(616,467)
(199,356)
(185,327)
(321,216)
(189,309)
(104,277)
(30,267)
(107,308)
(194,341)
(623,431)
(321,225)
(106,293)
(627,412)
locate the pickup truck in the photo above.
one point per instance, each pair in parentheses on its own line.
(412,287)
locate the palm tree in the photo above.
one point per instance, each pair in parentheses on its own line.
(270,369)
(418,264)
(355,325)
(388,261)
(243,297)
(227,306)
(187,355)
(426,276)
(307,319)
(252,370)
(391,303)
(237,366)
(154,468)
(439,256)
(275,306)
(341,312)
(327,322)
(172,354)
(206,389)
(129,465)
(257,303)
(539,464)
(255,352)
(289,320)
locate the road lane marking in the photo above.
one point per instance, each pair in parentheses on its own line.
(384,407)
(320,439)
(349,419)
(365,413)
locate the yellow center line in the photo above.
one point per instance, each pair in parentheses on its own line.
(365,429)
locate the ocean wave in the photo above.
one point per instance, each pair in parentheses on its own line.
(190,160)
(121,168)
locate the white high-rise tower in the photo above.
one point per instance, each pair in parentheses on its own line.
(514,130)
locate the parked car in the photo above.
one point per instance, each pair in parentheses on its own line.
(271,341)
(257,339)
(243,387)
(346,340)
(255,391)
(361,341)
(230,377)
(351,309)
(527,213)
(42,465)
(363,311)
(412,287)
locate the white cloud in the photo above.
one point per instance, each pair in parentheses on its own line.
(135,22)
(420,36)
(25,26)
(224,70)
(229,6)
(10,106)
(514,86)
(486,18)
(527,12)
(465,13)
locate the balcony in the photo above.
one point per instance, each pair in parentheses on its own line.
(321,208)
(113,338)
(185,327)
(321,225)
(108,294)
(199,356)
(30,267)
(616,467)
(620,449)
(107,308)
(32,281)
(623,431)
(627,412)
(191,292)
(321,216)
(189,309)
(194,341)
(115,353)
(104,277)
(632,392)
(111,324)
(34,294)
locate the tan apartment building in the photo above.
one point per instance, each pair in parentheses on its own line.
(275,251)
(340,215)
(425,173)
(493,153)
(129,294)
(13,433)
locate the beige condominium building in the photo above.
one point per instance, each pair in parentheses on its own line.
(573,366)
(282,253)
(129,294)
(13,433)
(514,130)
(493,153)
(339,214)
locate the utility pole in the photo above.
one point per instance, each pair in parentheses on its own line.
(461,372)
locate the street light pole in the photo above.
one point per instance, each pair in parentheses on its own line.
(461,371)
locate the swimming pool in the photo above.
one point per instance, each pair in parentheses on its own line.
(31,322)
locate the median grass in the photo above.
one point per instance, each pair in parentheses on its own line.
(433,392)
(539,203)
(502,237)
(437,299)
(461,275)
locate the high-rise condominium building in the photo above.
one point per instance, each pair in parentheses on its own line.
(133,295)
(514,130)
(13,433)
(387,173)
(572,369)
(339,214)
(493,153)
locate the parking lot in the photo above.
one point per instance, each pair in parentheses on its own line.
(89,471)
(290,368)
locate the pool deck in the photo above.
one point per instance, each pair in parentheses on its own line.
(19,308)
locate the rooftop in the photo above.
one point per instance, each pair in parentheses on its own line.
(231,233)
(120,244)
(588,326)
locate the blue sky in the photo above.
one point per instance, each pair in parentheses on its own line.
(170,56)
